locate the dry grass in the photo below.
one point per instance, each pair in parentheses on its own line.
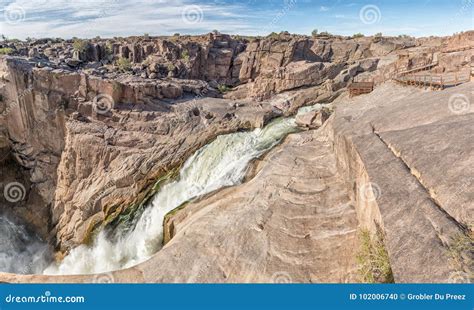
(461,252)
(372,258)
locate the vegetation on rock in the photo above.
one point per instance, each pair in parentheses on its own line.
(6,51)
(223,88)
(80,45)
(461,251)
(185,56)
(123,64)
(373,260)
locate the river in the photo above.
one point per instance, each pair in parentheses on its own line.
(221,163)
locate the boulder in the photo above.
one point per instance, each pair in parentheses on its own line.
(312,119)
(73,63)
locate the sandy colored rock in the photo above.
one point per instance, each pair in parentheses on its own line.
(82,163)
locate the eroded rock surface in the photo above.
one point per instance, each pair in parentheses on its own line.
(416,153)
(88,142)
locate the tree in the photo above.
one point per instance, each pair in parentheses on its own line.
(314,33)
(80,45)
(124,64)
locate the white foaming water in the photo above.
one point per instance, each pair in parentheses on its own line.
(219,164)
(21,251)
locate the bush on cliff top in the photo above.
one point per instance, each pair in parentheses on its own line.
(123,64)
(79,45)
(185,56)
(6,51)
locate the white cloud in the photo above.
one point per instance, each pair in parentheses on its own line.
(324,8)
(89,18)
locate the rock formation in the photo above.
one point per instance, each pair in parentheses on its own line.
(88,136)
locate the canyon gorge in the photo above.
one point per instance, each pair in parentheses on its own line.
(220,158)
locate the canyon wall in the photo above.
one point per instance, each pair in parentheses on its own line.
(79,138)
(88,142)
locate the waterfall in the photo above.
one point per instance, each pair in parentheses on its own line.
(221,163)
(21,251)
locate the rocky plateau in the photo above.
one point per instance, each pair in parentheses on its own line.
(88,128)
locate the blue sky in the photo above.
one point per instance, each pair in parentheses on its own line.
(107,18)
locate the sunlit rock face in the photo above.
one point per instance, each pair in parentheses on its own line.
(88,139)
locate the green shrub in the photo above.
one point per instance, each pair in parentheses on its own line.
(185,56)
(273,35)
(358,35)
(80,45)
(373,260)
(314,33)
(171,67)
(109,49)
(124,64)
(6,51)
(223,88)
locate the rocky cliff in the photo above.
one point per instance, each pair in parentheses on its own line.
(58,115)
(89,127)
